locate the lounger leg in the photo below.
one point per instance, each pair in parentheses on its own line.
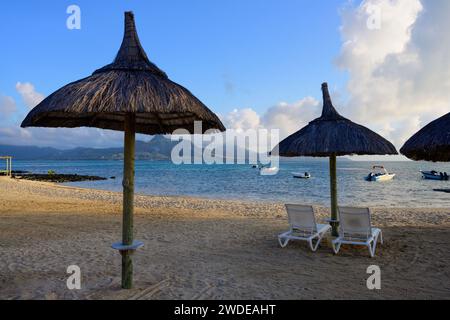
(314,246)
(283,241)
(319,240)
(381,237)
(370,250)
(372,246)
(311,245)
(336,246)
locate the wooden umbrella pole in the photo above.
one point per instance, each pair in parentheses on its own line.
(334,202)
(128,199)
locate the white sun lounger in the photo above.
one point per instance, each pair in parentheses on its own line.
(303,226)
(355,228)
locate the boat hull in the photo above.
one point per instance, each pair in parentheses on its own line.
(300,175)
(431,176)
(269,171)
(385,177)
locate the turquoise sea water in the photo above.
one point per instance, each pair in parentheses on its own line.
(242,182)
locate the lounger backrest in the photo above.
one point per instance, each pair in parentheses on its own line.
(355,222)
(301,217)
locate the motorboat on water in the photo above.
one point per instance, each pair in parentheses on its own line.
(434,175)
(299,175)
(379,173)
(268,171)
(259,166)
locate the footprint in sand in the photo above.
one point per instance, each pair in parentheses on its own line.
(149,292)
(205,293)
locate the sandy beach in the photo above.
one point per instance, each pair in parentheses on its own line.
(204,249)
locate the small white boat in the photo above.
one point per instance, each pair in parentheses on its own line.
(299,175)
(268,171)
(434,175)
(379,173)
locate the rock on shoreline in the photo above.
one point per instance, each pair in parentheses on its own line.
(58,178)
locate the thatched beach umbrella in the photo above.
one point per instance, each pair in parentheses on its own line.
(331,136)
(431,143)
(132,95)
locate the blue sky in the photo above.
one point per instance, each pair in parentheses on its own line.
(258,64)
(231,54)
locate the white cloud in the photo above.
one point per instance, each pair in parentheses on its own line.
(242,120)
(287,117)
(63,138)
(12,134)
(7,106)
(399,75)
(30,97)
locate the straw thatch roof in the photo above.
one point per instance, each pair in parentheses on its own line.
(131,84)
(332,134)
(432,143)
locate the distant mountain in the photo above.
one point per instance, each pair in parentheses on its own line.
(159,148)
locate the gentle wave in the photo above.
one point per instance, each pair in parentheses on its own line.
(242,182)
